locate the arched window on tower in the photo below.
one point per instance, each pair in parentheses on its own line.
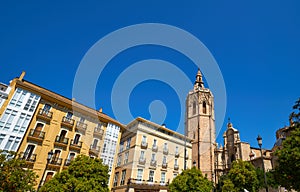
(204,110)
(194,107)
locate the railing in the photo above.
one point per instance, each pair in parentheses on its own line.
(153,163)
(98,131)
(36,134)
(164,165)
(27,157)
(154,148)
(176,167)
(165,151)
(95,149)
(142,160)
(61,140)
(67,162)
(68,121)
(55,161)
(46,114)
(76,144)
(144,145)
(81,126)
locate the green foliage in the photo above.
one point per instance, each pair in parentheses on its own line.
(13,175)
(190,180)
(287,171)
(83,174)
(241,176)
(270,178)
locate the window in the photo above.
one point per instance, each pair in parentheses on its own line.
(176,150)
(18,98)
(2,136)
(71,156)
(144,140)
(164,160)
(153,157)
(126,157)
(162,177)
(204,107)
(116,178)
(142,155)
(48,176)
(76,139)
(176,162)
(62,135)
(47,107)
(31,102)
(7,119)
(174,175)
(165,146)
(95,143)
(140,175)
(119,160)
(12,143)
(69,115)
(128,143)
(123,177)
(121,146)
(194,107)
(151,175)
(29,151)
(154,142)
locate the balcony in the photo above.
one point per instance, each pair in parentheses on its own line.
(61,141)
(153,163)
(154,148)
(176,154)
(67,122)
(176,167)
(44,114)
(28,158)
(142,161)
(94,150)
(80,126)
(98,132)
(164,165)
(144,145)
(165,151)
(67,162)
(75,145)
(55,162)
(36,135)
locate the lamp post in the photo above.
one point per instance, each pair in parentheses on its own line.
(259,141)
(49,157)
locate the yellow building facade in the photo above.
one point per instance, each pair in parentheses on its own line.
(55,124)
(150,156)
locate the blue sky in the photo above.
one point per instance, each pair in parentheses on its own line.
(256,45)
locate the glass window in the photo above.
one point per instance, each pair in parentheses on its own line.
(151,175)
(154,142)
(163,177)
(176,149)
(123,177)
(140,175)
(119,160)
(115,183)
(176,161)
(2,136)
(144,139)
(121,146)
(164,160)
(126,157)
(128,143)
(142,154)
(153,157)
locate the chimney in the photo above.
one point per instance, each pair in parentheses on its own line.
(22,75)
(100,110)
(73,99)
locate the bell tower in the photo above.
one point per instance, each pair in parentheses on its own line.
(200,126)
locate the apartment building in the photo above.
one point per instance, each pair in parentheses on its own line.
(37,122)
(150,156)
(4,91)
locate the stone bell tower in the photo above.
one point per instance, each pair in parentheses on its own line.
(200,126)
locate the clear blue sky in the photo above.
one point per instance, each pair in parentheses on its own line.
(256,45)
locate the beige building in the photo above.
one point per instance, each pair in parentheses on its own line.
(35,121)
(200,126)
(150,156)
(233,149)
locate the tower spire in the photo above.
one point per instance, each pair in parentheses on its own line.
(198,82)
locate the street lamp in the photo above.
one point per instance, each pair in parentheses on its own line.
(49,157)
(259,141)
